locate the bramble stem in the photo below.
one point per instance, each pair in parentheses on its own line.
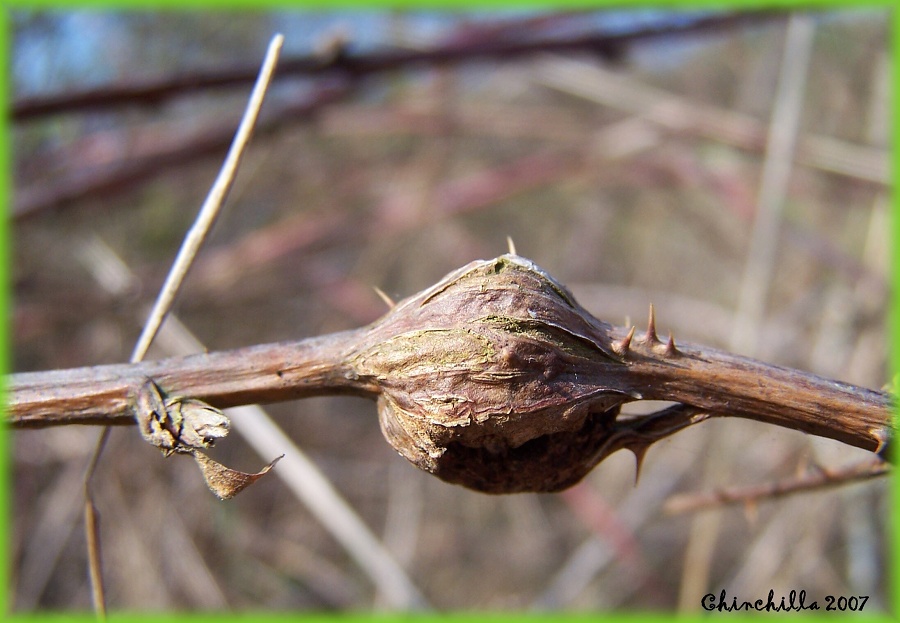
(731,385)
(256,374)
(723,383)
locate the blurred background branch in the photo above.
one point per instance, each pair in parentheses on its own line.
(500,43)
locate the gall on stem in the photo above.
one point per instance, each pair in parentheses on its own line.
(497,379)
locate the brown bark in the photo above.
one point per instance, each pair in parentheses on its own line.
(728,384)
(256,374)
(716,381)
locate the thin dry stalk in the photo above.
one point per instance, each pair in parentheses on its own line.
(209,212)
(681,115)
(191,246)
(758,272)
(312,488)
(773,187)
(95,560)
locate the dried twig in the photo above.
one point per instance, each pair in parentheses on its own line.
(485,48)
(817,479)
(33,201)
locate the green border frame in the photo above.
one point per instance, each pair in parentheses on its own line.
(436,5)
(5,308)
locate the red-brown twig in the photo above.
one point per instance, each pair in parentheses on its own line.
(156,91)
(33,201)
(819,478)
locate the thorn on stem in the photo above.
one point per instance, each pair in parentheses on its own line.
(384,297)
(671,349)
(651,337)
(511,245)
(639,451)
(620,347)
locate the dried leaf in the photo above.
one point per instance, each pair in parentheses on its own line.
(224,481)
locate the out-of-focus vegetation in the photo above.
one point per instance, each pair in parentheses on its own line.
(403,178)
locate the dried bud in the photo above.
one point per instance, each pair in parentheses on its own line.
(177,424)
(202,424)
(494,379)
